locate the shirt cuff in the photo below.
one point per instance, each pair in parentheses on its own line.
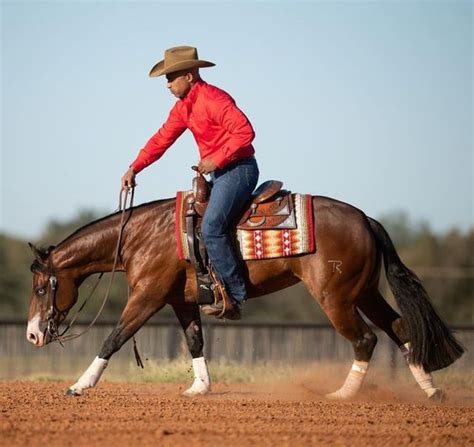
(137,167)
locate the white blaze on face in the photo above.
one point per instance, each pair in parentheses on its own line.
(33,332)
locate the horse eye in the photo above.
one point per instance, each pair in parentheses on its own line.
(41,292)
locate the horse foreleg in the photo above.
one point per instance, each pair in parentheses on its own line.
(90,377)
(188,316)
(136,313)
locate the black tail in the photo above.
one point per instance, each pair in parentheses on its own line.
(433,345)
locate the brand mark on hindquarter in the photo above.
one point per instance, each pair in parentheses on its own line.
(336,264)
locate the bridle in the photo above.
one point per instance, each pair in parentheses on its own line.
(54,314)
(52,327)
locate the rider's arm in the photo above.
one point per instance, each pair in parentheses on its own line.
(240,132)
(162,140)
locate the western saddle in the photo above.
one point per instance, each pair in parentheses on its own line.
(269,207)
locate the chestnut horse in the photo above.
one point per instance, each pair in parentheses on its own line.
(342,275)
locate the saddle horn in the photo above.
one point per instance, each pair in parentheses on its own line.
(201,189)
(195,168)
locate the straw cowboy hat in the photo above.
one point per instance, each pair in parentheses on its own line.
(177,59)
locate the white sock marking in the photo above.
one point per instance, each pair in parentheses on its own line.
(423,378)
(202,381)
(91,376)
(353,382)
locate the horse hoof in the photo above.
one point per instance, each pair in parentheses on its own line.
(189,393)
(339,396)
(73,392)
(193,393)
(438,396)
(334,396)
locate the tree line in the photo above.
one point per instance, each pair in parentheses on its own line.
(444,263)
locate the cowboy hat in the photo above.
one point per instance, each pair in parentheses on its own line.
(177,59)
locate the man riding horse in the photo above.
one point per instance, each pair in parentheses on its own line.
(224,137)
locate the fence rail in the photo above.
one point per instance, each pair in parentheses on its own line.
(246,343)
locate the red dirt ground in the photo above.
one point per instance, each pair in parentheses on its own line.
(38,414)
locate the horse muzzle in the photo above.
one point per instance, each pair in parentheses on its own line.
(36,332)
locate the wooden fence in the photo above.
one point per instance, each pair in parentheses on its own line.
(241,342)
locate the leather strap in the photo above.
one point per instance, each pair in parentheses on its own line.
(191,241)
(220,293)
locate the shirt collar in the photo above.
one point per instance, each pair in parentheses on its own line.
(193,93)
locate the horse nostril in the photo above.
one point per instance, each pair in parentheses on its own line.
(32,337)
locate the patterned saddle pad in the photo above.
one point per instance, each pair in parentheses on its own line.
(261,244)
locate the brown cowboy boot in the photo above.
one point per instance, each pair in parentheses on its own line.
(223,307)
(231,312)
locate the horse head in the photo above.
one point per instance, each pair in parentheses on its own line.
(53,294)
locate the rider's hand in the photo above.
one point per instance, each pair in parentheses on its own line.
(128,179)
(206,166)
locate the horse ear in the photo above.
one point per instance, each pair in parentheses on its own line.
(36,253)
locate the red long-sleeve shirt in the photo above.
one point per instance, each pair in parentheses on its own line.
(220,128)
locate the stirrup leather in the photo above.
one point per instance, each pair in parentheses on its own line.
(220,294)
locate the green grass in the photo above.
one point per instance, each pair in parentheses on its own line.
(181,371)
(159,372)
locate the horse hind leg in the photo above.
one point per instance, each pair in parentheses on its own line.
(377,310)
(349,323)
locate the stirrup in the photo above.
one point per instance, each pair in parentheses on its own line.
(220,295)
(218,311)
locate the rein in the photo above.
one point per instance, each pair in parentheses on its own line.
(52,326)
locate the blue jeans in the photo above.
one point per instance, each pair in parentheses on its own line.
(232,187)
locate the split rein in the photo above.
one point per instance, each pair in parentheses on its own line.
(54,312)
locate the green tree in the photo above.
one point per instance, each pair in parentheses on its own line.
(15,277)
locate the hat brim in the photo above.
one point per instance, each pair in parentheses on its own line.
(160,70)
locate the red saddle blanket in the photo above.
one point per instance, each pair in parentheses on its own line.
(261,244)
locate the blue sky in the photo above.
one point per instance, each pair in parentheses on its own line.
(366,102)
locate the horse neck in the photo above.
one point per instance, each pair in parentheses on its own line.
(89,250)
